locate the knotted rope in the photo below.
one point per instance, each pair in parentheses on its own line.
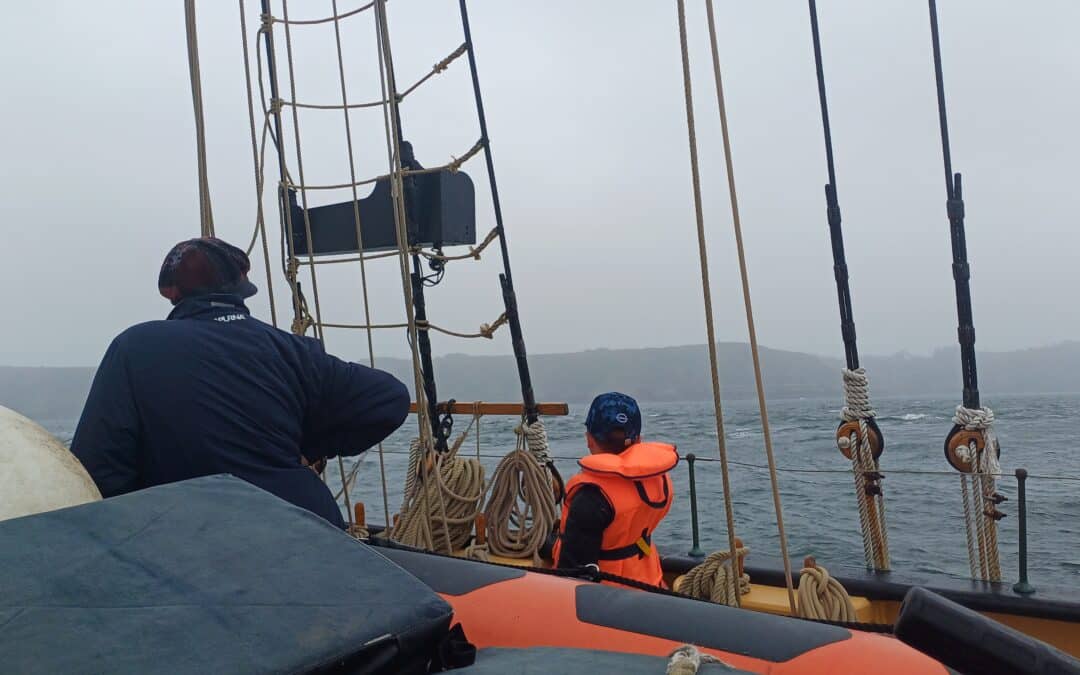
(984,562)
(687,660)
(358,531)
(713,579)
(521,512)
(857,408)
(822,597)
(487,330)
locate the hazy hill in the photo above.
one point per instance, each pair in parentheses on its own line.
(659,374)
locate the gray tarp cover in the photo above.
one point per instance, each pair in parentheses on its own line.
(210,575)
(545,661)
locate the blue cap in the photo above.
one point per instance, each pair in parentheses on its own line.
(612,411)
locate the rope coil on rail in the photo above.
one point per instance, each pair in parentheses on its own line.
(823,597)
(521,510)
(443,495)
(713,579)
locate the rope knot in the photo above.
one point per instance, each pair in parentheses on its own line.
(856,396)
(301,324)
(266,22)
(488,330)
(821,596)
(974,419)
(276,104)
(687,660)
(455,162)
(445,63)
(536,439)
(712,578)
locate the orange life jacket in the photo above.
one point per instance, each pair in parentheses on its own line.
(636,484)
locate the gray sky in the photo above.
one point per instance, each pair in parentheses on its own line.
(585,109)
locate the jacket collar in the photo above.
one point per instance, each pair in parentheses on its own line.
(208,304)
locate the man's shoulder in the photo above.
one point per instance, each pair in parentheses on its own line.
(142,330)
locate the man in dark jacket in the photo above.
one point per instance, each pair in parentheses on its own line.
(212,390)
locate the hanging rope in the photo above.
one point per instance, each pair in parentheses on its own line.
(206,217)
(706,290)
(822,597)
(300,172)
(714,580)
(393,147)
(359,231)
(688,659)
(862,445)
(521,510)
(259,157)
(754,352)
(980,498)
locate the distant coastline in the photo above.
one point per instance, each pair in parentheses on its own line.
(651,374)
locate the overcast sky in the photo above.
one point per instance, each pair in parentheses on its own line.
(585,108)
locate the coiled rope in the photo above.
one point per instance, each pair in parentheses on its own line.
(444,493)
(520,511)
(714,579)
(857,408)
(822,597)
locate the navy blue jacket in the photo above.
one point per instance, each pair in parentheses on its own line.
(213,390)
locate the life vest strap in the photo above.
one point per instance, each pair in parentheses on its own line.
(640,548)
(645,495)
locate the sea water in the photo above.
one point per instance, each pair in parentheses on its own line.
(923,512)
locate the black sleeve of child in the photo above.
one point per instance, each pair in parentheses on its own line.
(589,515)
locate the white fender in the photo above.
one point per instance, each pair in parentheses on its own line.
(37,473)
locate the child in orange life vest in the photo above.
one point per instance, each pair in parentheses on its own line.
(623,492)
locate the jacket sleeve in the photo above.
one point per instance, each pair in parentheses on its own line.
(106,439)
(589,515)
(354,408)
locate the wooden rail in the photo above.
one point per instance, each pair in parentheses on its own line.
(485,408)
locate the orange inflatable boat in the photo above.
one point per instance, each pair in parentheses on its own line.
(503,607)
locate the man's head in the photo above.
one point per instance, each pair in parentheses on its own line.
(613,423)
(204,266)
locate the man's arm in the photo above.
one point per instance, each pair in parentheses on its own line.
(589,515)
(354,408)
(106,440)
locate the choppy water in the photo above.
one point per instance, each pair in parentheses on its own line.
(926,531)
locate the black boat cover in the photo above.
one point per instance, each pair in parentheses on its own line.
(548,660)
(210,575)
